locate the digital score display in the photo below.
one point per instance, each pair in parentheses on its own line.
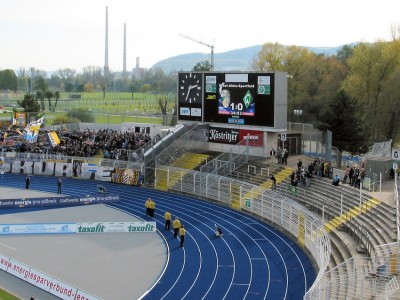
(241,99)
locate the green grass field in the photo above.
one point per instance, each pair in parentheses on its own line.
(114,109)
(7,296)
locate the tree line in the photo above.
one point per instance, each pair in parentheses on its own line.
(357,90)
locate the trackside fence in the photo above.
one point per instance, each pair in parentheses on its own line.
(284,213)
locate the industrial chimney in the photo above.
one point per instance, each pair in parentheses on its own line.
(124,58)
(106,68)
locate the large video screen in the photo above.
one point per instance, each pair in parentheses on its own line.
(241,99)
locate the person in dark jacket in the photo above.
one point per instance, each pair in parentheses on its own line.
(59,185)
(27,181)
(273,179)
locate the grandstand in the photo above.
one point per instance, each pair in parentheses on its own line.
(364,254)
(351,234)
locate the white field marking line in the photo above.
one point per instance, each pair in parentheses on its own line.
(191,214)
(201,207)
(9,247)
(130,205)
(273,231)
(216,255)
(257,223)
(230,212)
(226,266)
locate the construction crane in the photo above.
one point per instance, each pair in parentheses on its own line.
(202,43)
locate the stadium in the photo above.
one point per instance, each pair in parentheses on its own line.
(308,240)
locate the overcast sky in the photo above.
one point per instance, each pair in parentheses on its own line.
(55,34)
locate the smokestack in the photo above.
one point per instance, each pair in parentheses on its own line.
(106,50)
(124,58)
(137,62)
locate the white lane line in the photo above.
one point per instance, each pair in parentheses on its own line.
(8,247)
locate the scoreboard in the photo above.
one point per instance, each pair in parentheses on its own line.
(254,99)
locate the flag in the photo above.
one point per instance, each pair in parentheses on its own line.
(53,138)
(31,131)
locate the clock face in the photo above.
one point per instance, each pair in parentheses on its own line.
(190,87)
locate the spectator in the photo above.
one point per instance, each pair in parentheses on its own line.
(27,181)
(336,180)
(272,153)
(311,169)
(318,170)
(362,176)
(279,155)
(59,185)
(285,156)
(87,143)
(351,175)
(327,170)
(299,164)
(356,177)
(273,182)
(346,174)
(322,169)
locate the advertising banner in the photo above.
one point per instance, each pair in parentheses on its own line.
(43,281)
(255,138)
(87,227)
(231,136)
(116,227)
(223,135)
(77,168)
(59,201)
(38,228)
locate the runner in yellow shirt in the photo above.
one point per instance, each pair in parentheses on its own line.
(176,225)
(167,218)
(182,233)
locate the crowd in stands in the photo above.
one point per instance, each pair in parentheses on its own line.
(302,176)
(84,143)
(354,175)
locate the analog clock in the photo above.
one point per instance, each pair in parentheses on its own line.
(190,87)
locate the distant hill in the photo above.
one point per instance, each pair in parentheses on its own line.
(234,60)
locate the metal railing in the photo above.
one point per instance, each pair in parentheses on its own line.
(284,213)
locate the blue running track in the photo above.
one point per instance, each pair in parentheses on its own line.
(251,261)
